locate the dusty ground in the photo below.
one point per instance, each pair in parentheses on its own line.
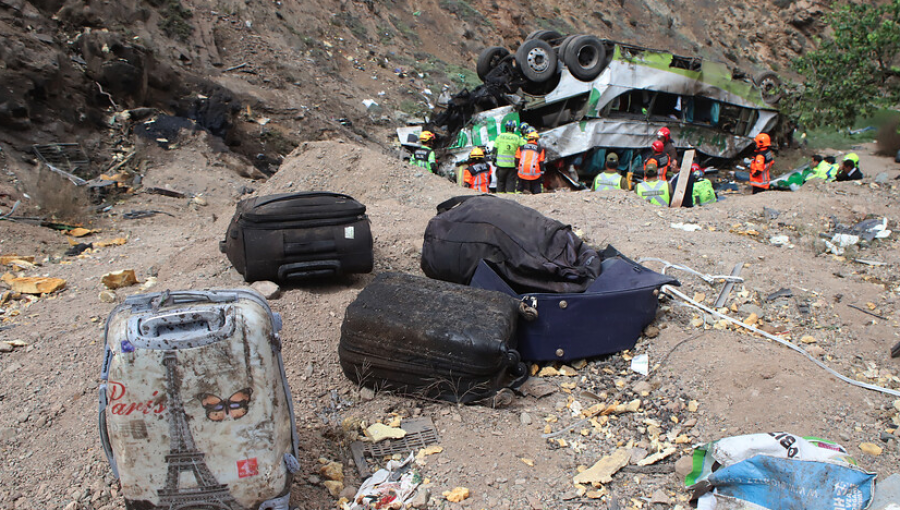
(49,445)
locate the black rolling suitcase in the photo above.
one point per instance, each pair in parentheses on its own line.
(431,338)
(296,236)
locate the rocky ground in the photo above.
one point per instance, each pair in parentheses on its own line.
(705,382)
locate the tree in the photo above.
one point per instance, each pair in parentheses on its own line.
(850,73)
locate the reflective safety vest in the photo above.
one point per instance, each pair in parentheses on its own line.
(704,192)
(761,169)
(825,171)
(662,164)
(424,158)
(531,157)
(606,180)
(505,147)
(478,177)
(655,192)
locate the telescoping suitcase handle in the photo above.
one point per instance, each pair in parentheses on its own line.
(181,328)
(313,269)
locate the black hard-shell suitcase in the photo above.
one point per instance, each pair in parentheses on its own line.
(607,317)
(430,338)
(295,236)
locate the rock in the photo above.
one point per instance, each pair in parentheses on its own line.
(659,497)
(871,449)
(348,492)
(107,296)
(200,201)
(153,271)
(651,332)
(314,480)
(367,394)
(881,178)
(638,454)
(457,494)
(770,213)
(749,309)
(7,433)
(815,350)
(684,466)
(6,347)
(119,279)
(642,388)
(525,419)
(420,499)
(334,487)
(269,290)
(333,471)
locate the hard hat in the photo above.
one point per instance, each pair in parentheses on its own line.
(657,146)
(476,153)
(426,136)
(762,141)
(510,126)
(532,136)
(523,127)
(852,157)
(664,133)
(696,167)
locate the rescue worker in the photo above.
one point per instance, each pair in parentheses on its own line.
(531,164)
(653,190)
(506,145)
(659,157)
(761,166)
(610,178)
(478,174)
(703,189)
(822,168)
(423,157)
(665,136)
(850,170)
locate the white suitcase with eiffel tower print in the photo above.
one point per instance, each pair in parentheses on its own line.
(195,411)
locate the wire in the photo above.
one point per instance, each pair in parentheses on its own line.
(673,292)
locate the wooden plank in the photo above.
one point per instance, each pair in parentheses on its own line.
(683,176)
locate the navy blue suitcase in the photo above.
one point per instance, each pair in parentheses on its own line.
(607,317)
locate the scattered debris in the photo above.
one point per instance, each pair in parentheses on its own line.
(145,213)
(781,240)
(796,463)
(781,293)
(78,249)
(887,494)
(80,232)
(456,495)
(603,470)
(871,449)
(641,364)
(119,279)
(16,260)
(726,290)
(687,227)
(165,192)
(107,296)
(379,432)
(658,456)
(863,310)
(391,487)
(34,284)
(420,433)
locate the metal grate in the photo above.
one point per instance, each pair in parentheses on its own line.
(64,156)
(420,432)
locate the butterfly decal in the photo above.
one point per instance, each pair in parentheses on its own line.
(235,406)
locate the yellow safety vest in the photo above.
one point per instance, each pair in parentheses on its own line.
(655,192)
(606,180)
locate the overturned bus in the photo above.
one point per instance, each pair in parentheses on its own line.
(586,96)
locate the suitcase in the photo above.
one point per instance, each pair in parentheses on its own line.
(195,410)
(297,236)
(607,317)
(431,338)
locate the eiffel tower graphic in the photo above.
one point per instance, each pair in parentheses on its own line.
(183,455)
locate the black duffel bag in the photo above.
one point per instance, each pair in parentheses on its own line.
(531,252)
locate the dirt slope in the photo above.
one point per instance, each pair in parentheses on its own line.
(48,437)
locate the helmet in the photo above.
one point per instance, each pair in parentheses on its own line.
(696,170)
(762,141)
(510,126)
(664,133)
(852,157)
(532,136)
(524,127)
(476,153)
(426,136)
(657,146)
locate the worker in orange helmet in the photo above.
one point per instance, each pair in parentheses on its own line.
(665,136)
(761,166)
(660,158)
(478,174)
